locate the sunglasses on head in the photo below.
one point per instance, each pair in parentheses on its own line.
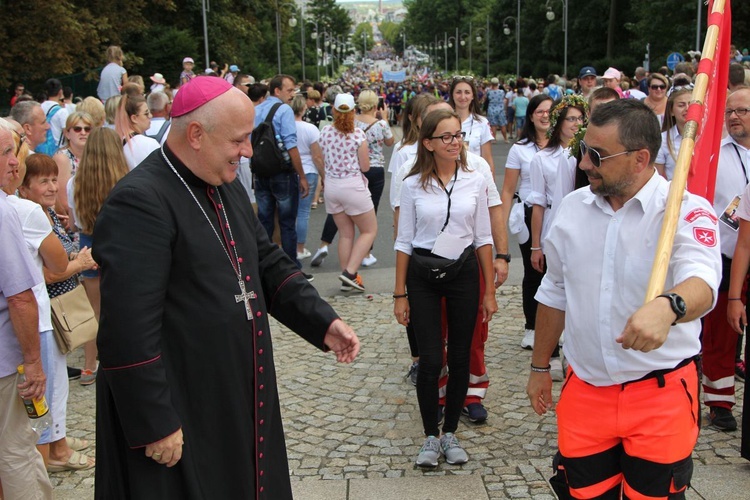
(78,129)
(463,78)
(596,157)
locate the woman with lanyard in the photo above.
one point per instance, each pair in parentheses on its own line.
(444,218)
(565,118)
(463,98)
(675,116)
(517,183)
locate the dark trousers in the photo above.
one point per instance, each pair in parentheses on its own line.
(461,305)
(375,184)
(279,193)
(531,278)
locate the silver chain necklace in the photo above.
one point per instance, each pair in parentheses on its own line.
(244,295)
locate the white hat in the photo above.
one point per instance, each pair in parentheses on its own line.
(344,103)
(516,223)
(612,73)
(158,78)
(188,60)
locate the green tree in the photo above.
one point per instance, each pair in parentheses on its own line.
(362,37)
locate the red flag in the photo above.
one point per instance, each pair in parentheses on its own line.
(710,115)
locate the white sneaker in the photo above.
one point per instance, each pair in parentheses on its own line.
(304,254)
(556,370)
(528,340)
(369,260)
(346,288)
(319,256)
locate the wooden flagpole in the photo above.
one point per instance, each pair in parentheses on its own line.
(682,167)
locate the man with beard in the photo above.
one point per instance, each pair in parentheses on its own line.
(628,416)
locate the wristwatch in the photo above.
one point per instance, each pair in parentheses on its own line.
(678,305)
(504,256)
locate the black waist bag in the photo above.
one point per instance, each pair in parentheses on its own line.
(436,269)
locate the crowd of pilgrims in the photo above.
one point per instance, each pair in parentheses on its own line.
(101,141)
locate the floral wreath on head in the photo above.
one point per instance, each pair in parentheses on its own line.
(566,102)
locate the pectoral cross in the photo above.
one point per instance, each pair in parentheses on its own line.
(245,297)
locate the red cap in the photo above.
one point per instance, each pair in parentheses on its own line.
(198,92)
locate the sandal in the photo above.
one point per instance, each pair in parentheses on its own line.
(77,444)
(77,461)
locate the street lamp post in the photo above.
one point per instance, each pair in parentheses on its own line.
(205,30)
(314,36)
(506,31)
(449,41)
(479,40)
(463,38)
(292,23)
(364,47)
(551,17)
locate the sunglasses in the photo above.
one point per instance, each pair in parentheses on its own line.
(596,157)
(78,129)
(658,87)
(448,138)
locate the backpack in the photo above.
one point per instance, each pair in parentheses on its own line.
(268,159)
(160,133)
(554,93)
(50,145)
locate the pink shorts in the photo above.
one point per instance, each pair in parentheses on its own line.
(347,194)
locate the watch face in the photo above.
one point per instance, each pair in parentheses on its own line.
(680,303)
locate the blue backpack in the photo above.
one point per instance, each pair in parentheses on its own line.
(554,93)
(50,145)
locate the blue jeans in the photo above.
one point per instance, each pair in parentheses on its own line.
(280,192)
(303,213)
(520,122)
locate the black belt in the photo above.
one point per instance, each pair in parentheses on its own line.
(659,374)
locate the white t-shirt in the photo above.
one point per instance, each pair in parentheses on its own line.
(544,170)
(138,148)
(36,227)
(519,158)
(110,81)
(307,135)
(478,133)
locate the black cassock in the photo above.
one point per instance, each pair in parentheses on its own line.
(176,348)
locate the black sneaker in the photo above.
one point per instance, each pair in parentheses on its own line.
(721,418)
(412,374)
(308,277)
(476,412)
(74,373)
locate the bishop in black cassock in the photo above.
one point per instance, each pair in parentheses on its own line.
(185,350)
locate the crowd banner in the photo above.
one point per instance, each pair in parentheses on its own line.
(699,152)
(394,76)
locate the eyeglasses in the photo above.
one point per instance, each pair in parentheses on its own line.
(78,129)
(658,87)
(739,111)
(541,112)
(571,119)
(21,140)
(596,157)
(448,138)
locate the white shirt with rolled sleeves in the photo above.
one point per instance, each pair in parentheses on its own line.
(519,158)
(423,212)
(731,180)
(667,156)
(544,169)
(478,133)
(474,162)
(598,266)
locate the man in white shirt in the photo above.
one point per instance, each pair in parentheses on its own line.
(160,107)
(628,417)
(719,339)
(56,119)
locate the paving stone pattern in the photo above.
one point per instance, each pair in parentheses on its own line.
(361,421)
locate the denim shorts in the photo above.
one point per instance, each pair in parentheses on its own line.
(86,240)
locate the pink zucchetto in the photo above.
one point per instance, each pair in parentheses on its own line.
(198,92)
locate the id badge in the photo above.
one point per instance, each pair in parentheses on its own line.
(448,246)
(729,216)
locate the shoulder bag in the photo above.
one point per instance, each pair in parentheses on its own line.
(73,319)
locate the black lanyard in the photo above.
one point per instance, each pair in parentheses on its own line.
(739,155)
(455,176)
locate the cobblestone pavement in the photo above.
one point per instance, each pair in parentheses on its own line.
(362,420)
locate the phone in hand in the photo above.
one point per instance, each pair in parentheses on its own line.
(381,103)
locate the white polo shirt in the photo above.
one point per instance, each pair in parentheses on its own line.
(598,266)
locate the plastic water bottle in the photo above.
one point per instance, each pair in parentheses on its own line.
(284,153)
(36,409)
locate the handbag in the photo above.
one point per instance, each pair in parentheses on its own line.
(436,269)
(73,319)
